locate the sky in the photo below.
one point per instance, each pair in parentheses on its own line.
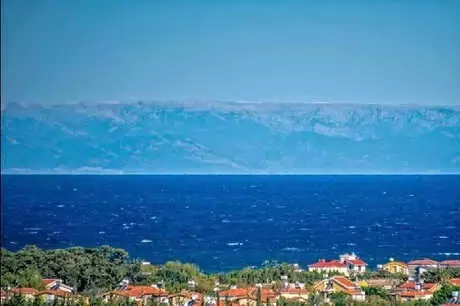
(284,51)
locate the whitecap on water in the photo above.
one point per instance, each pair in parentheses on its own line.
(225,221)
(443,237)
(291,249)
(153,218)
(352,226)
(146,241)
(101,233)
(32,228)
(60,205)
(234,243)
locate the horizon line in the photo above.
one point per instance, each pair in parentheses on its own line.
(234,174)
(224,101)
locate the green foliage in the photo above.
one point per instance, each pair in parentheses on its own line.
(382,274)
(268,274)
(16,300)
(380,292)
(442,295)
(441,275)
(82,268)
(339,299)
(258,297)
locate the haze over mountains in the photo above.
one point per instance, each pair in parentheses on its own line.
(229,137)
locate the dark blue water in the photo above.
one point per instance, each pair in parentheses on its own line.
(225,222)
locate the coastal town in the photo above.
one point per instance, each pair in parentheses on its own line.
(348,277)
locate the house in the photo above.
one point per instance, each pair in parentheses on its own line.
(415,290)
(27,293)
(385,283)
(340,284)
(354,263)
(233,293)
(186,297)
(455,282)
(140,294)
(396,267)
(51,295)
(422,265)
(56,284)
(323,266)
(248,296)
(3,296)
(450,263)
(294,294)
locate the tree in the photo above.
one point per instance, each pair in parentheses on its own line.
(16,300)
(442,295)
(380,292)
(258,297)
(339,298)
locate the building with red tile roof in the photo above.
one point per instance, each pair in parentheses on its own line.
(56,284)
(186,297)
(27,293)
(453,263)
(340,284)
(138,293)
(455,282)
(234,293)
(353,263)
(294,294)
(422,265)
(412,290)
(324,266)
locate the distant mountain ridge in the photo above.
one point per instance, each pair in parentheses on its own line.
(229,137)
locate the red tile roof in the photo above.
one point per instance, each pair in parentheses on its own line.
(344,282)
(328,264)
(395,262)
(455,281)
(59,293)
(411,285)
(423,262)
(264,293)
(294,290)
(48,281)
(357,262)
(234,293)
(451,263)
(24,290)
(140,291)
(414,293)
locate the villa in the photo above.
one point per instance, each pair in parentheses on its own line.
(323,266)
(294,294)
(396,267)
(139,294)
(186,297)
(233,293)
(340,284)
(52,295)
(455,263)
(413,290)
(56,284)
(425,264)
(27,293)
(455,282)
(354,263)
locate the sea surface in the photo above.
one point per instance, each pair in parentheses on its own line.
(228,222)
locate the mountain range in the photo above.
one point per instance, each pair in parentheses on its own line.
(229,137)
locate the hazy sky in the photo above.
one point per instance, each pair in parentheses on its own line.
(362,51)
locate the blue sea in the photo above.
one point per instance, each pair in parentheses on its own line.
(228,222)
